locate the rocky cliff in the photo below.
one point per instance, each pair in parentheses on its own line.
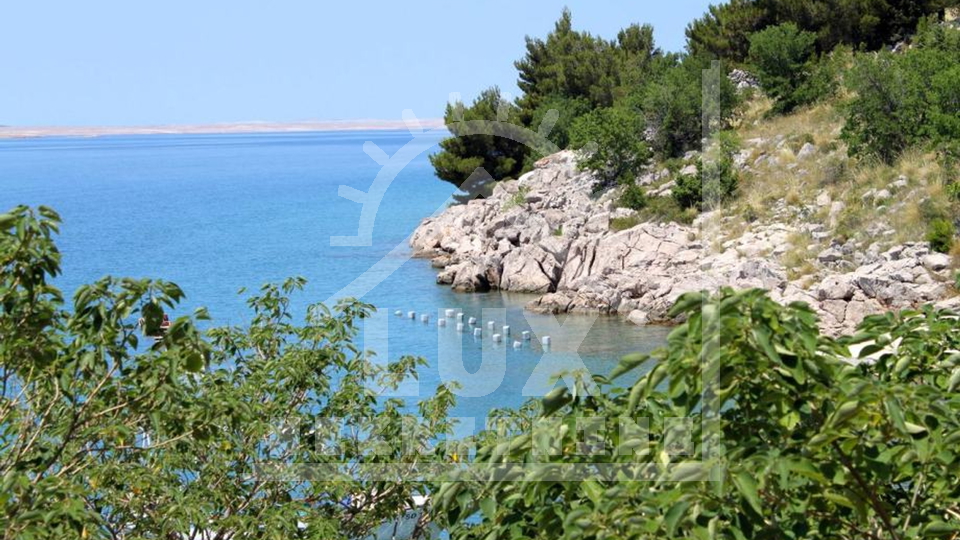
(549,234)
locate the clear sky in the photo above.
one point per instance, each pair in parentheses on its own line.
(123,62)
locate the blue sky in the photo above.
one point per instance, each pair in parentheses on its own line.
(100,62)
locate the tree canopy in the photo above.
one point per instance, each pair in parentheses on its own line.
(107,433)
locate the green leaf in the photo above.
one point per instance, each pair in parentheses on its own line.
(688,471)
(846,411)
(628,363)
(7,221)
(914,429)
(940,528)
(673,517)
(488,506)
(555,400)
(954,381)
(747,487)
(895,412)
(837,498)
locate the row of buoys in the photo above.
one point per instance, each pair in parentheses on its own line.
(472,321)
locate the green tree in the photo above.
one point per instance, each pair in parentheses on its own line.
(487,135)
(109,434)
(748,424)
(673,105)
(567,112)
(781,57)
(903,100)
(570,64)
(724,31)
(869,24)
(614,135)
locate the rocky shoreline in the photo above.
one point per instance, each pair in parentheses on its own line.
(547,233)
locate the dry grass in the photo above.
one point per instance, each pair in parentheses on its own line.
(785,189)
(798,259)
(955,254)
(823,122)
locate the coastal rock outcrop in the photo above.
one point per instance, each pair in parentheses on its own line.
(550,234)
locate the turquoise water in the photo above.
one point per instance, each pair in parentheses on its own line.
(215,213)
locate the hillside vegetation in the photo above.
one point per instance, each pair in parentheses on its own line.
(826,127)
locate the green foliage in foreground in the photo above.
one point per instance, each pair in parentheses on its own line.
(757,428)
(106,434)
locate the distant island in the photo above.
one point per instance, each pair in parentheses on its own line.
(21,132)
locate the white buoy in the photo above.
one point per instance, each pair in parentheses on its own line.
(496,338)
(398,313)
(472,321)
(477,332)
(506,330)
(526,335)
(460,317)
(517,344)
(459,327)
(441,322)
(412,314)
(545,341)
(425,318)
(450,313)
(491,324)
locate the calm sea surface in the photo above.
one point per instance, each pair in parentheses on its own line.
(215,213)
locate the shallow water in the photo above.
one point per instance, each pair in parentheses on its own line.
(215,213)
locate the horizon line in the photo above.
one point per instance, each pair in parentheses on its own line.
(253,126)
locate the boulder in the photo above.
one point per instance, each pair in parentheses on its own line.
(806,151)
(638,317)
(477,275)
(830,255)
(936,262)
(530,269)
(836,287)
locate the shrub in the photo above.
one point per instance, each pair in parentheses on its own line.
(688,191)
(619,151)
(940,235)
(666,209)
(633,197)
(902,101)
(780,56)
(715,182)
(624,223)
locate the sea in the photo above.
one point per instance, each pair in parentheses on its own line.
(218,213)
